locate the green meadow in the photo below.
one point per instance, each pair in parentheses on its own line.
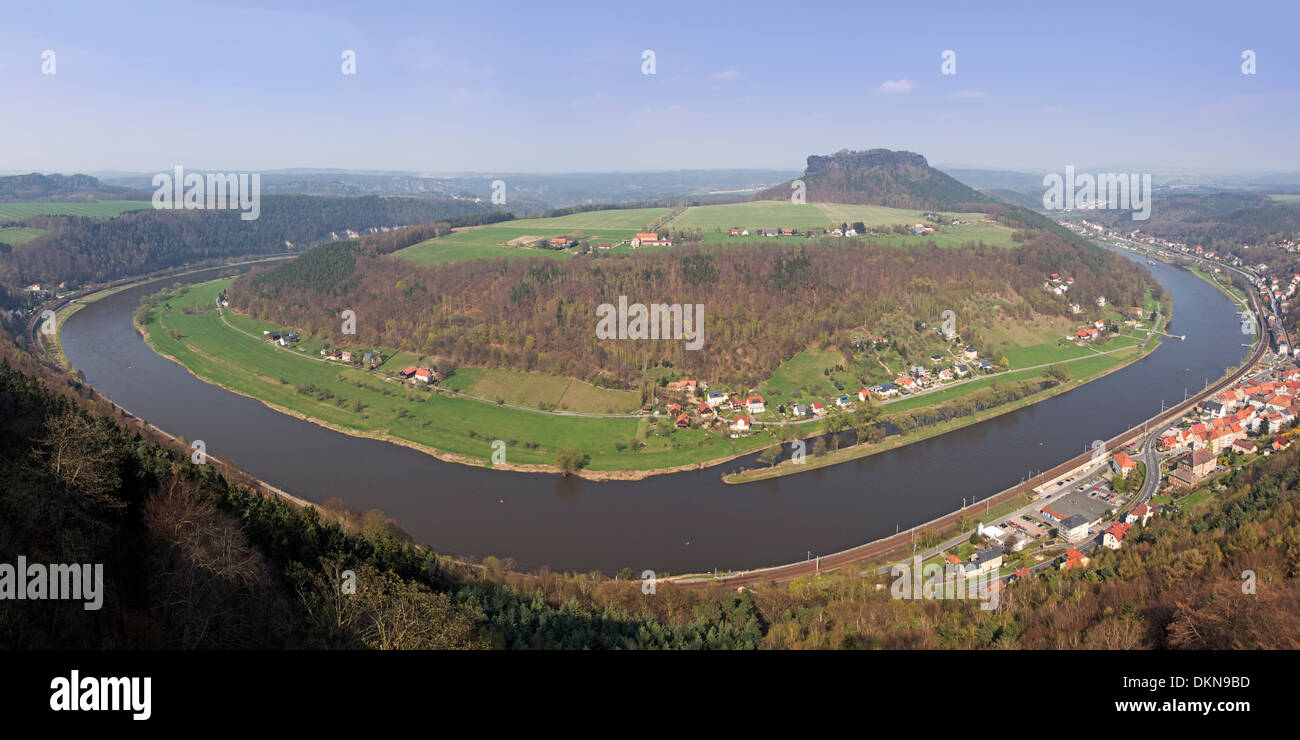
(94,209)
(16,235)
(513,239)
(369,404)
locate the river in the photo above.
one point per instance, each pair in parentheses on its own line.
(684,522)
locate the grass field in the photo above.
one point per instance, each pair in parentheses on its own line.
(510,239)
(773,214)
(542,391)
(800,378)
(364,402)
(96,209)
(16,235)
(494,240)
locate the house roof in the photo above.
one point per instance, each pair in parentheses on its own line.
(1075,520)
(1073,557)
(1124,461)
(1200,457)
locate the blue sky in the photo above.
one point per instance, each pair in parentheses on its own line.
(557,87)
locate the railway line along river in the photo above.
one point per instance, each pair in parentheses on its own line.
(676,523)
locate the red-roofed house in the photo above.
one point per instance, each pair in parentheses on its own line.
(1124,464)
(1074,559)
(683,421)
(740,424)
(756,405)
(649,240)
(424,375)
(1141,513)
(1113,537)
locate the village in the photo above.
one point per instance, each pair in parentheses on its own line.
(688,403)
(1108,500)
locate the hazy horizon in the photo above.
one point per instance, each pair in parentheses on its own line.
(541,90)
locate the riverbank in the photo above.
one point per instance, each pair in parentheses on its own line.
(895,441)
(193,332)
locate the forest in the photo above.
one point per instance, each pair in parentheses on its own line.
(82,250)
(763,302)
(1222,222)
(196,559)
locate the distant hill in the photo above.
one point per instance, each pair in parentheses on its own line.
(999,179)
(525,193)
(36,186)
(1220,221)
(879,177)
(1015,198)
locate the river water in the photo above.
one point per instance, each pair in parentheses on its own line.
(684,522)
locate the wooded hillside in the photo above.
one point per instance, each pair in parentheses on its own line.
(763,303)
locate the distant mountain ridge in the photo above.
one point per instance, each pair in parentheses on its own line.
(881,177)
(36,186)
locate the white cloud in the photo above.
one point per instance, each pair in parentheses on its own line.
(727,74)
(969,95)
(890,87)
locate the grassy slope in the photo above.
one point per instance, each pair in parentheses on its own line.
(99,209)
(492,240)
(16,235)
(216,353)
(616,225)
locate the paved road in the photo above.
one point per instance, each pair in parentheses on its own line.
(890,544)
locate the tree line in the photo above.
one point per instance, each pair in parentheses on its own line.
(763,302)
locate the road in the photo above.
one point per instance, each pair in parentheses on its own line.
(888,545)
